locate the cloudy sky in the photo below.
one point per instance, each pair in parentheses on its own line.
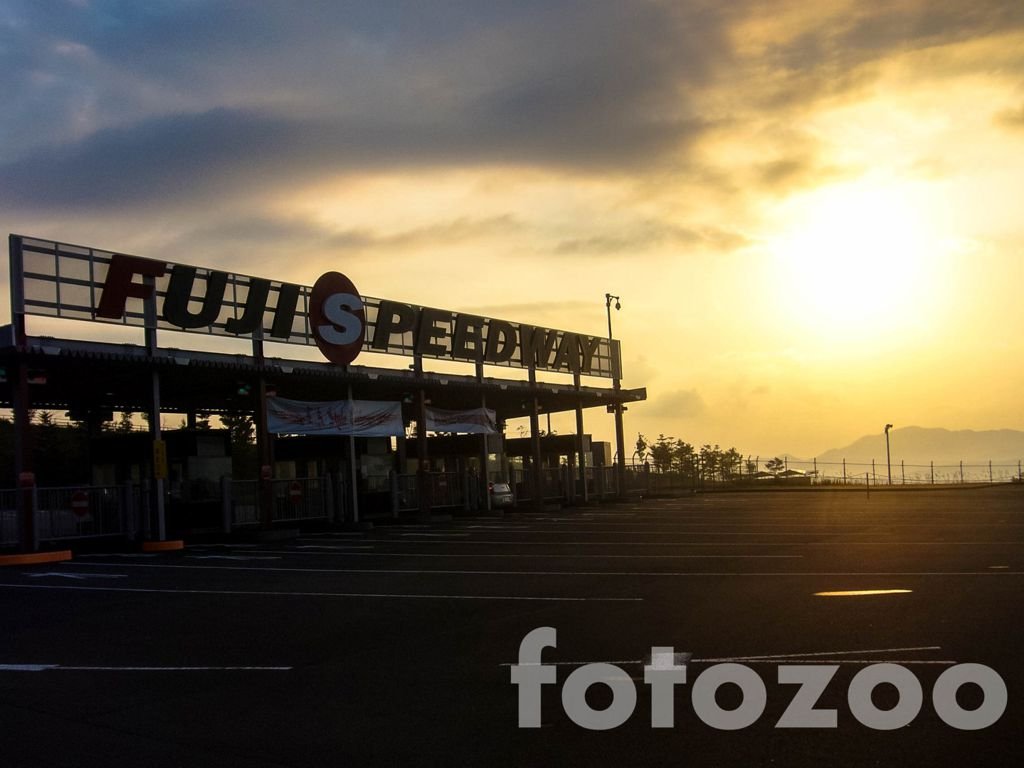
(811,211)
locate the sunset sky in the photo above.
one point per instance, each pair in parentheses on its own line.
(813,211)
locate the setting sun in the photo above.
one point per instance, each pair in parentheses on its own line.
(857,260)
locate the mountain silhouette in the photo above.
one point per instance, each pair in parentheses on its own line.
(920,445)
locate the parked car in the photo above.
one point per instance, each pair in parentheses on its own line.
(501,495)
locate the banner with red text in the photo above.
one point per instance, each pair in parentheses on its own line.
(362,418)
(478,421)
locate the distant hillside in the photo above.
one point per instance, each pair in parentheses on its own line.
(919,445)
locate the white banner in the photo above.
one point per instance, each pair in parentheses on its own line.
(362,418)
(478,421)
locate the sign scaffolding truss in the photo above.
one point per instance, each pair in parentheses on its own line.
(74,282)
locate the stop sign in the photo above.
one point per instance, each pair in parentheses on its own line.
(295,492)
(80,503)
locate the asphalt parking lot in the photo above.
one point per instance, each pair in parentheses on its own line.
(392,646)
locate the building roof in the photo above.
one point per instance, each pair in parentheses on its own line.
(108,376)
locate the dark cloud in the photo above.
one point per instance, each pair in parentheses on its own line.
(117,104)
(213,98)
(195,156)
(793,172)
(653,234)
(164,158)
(840,53)
(677,404)
(458,230)
(248,242)
(1011,118)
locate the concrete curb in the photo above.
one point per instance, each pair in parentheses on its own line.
(163,546)
(36,558)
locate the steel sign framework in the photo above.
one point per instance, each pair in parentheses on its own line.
(54,279)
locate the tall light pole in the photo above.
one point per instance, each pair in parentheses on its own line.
(620,439)
(608,307)
(888,460)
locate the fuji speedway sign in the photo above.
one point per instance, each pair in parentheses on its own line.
(81,283)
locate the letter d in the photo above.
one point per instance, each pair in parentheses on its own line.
(529,674)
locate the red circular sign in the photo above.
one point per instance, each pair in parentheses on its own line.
(337,318)
(80,503)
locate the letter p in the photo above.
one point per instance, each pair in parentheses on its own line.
(529,674)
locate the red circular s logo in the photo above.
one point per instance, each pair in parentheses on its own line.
(337,318)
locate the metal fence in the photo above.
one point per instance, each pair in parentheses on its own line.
(306,498)
(794,473)
(408,491)
(241,500)
(84,512)
(447,489)
(8,517)
(444,489)
(903,473)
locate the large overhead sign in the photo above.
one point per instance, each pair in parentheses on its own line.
(59,280)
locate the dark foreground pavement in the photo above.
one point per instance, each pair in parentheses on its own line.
(391,646)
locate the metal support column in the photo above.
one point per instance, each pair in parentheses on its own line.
(150,319)
(538,486)
(353,469)
(158,479)
(484,480)
(23,466)
(581,461)
(265,450)
(422,475)
(620,435)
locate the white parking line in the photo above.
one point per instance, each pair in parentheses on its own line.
(373,595)
(393,571)
(651,574)
(539,556)
(775,656)
(682,528)
(892,542)
(65,668)
(818,657)
(81,576)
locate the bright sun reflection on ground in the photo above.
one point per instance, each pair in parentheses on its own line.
(856,260)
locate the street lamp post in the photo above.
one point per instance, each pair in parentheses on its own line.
(608,307)
(888,460)
(620,439)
